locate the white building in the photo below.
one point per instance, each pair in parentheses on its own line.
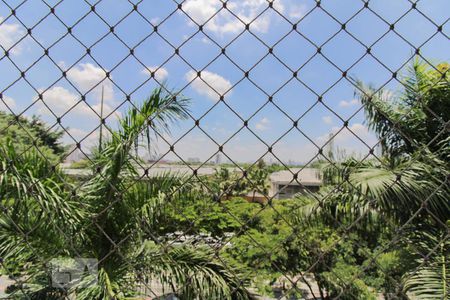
(284,186)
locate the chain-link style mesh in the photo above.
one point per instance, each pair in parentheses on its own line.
(301,77)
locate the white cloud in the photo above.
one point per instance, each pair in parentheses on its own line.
(77,133)
(85,76)
(207,41)
(160,74)
(155,21)
(61,100)
(87,138)
(199,146)
(224,22)
(297,11)
(220,130)
(9,35)
(327,120)
(356,129)
(244,148)
(278,5)
(10,102)
(349,103)
(345,138)
(346,134)
(263,124)
(210,84)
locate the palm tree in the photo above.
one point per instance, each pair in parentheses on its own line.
(416,117)
(409,184)
(112,218)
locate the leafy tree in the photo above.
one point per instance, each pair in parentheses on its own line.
(31,132)
(225,183)
(111,217)
(261,164)
(49,137)
(257,180)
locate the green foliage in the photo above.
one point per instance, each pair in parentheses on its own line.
(429,279)
(29,134)
(256,180)
(262,246)
(49,136)
(81,164)
(391,192)
(227,182)
(426,101)
(342,282)
(111,217)
(193,271)
(36,205)
(348,242)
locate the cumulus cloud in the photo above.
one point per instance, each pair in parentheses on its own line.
(263,124)
(348,103)
(6,102)
(210,84)
(355,129)
(199,146)
(160,73)
(9,35)
(108,111)
(346,140)
(346,134)
(88,139)
(61,100)
(327,120)
(222,23)
(86,76)
(297,11)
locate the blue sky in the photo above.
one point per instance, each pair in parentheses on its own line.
(198,51)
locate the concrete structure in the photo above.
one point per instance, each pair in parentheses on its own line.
(152,170)
(284,186)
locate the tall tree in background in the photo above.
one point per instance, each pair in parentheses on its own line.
(31,132)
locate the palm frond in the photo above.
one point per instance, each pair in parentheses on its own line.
(115,162)
(425,100)
(429,279)
(191,272)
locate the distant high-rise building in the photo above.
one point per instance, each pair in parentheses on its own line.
(218,159)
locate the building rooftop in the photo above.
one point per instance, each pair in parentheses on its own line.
(306,176)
